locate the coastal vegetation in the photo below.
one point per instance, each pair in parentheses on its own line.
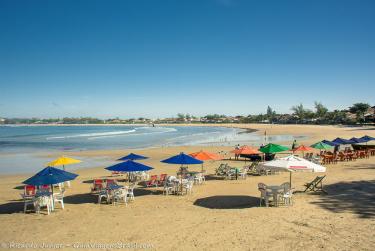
(358,113)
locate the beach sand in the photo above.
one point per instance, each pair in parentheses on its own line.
(220,214)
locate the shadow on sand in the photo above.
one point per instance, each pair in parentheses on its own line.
(362,166)
(12,207)
(357,197)
(214,177)
(84,198)
(228,202)
(363,129)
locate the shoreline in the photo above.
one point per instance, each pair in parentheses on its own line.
(216,209)
(311,134)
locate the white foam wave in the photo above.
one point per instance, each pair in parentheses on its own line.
(96,134)
(154,131)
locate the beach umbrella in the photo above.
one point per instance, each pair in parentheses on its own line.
(330,143)
(133,156)
(182,159)
(50,176)
(129,166)
(342,141)
(293,164)
(63,161)
(246,150)
(367,138)
(203,155)
(273,148)
(358,140)
(321,146)
(303,149)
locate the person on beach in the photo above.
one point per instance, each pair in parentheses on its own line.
(294,145)
(236,156)
(336,149)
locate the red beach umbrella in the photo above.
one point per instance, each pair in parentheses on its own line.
(203,155)
(246,150)
(303,148)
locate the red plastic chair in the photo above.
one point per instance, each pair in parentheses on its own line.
(162,179)
(45,188)
(97,186)
(29,190)
(110,182)
(153,181)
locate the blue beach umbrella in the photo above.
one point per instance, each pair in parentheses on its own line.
(358,140)
(182,159)
(342,141)
(133,156)
(50,176)
(367,138)
(129,166)
(330,143)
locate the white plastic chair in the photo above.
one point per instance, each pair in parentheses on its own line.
(198,179)
(243,174)
(28,201)
(130,192)
(188,186)
(103,194)
(59,197)
(264,195)
(120,195)
(287,195)
(43,201)
(169,187)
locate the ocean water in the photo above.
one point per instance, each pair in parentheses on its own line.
(19,145)
(15,138)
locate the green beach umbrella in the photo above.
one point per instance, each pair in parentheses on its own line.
(273,148)
(321,146)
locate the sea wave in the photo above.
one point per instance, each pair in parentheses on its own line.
(95,134)
(152,130)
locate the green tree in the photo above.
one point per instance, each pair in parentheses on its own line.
(180,116)
(270,114)
(320,110)
(300,111)
(359,109)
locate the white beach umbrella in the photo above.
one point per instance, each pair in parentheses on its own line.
(294,164)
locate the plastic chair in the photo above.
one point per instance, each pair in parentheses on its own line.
(130,192)
(59,197)
(152,181)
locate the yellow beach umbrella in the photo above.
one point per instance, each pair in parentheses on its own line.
(62,161)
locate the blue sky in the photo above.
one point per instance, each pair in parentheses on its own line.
(156,58)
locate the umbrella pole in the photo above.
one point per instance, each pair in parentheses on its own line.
(181,179)
(290,180)
(53,199)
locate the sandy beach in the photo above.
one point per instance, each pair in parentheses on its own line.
(220,214)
